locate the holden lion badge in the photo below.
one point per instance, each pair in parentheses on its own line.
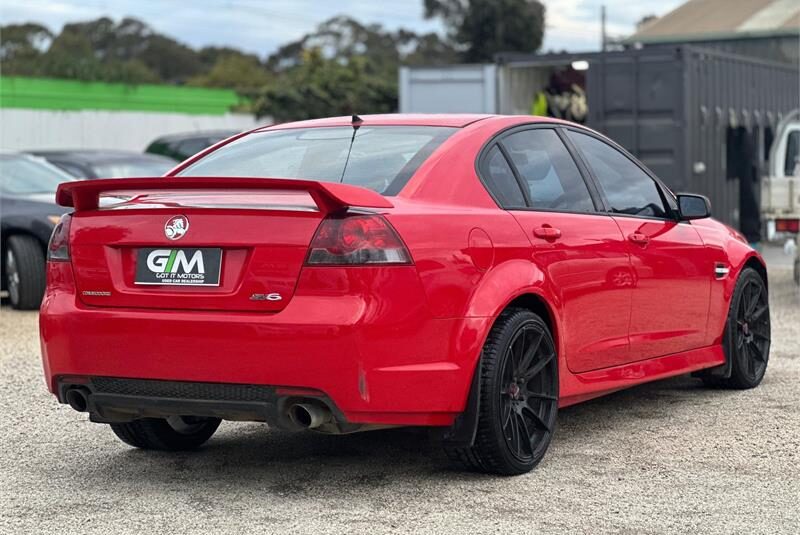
(176,227)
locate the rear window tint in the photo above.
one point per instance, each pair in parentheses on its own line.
(382,158)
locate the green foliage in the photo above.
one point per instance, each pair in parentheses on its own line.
(316,86)
(233,70)
(343,67)
(482,28)
(21,45)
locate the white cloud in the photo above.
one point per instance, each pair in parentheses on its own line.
(574,25)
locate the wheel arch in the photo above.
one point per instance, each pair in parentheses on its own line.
(463,431)
(537,304)
(748,260)
(757,264)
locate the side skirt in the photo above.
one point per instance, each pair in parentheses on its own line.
(579,387)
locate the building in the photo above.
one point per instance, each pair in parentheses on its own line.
(41,113)
(766,29)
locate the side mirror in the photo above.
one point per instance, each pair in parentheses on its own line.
(691,206)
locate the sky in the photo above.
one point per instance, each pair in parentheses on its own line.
(261,26)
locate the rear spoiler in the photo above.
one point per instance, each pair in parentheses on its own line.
(329,196)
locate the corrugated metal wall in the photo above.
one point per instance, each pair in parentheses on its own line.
(782,48)
(726,91)
(636,98)
(671,107)
(22,129)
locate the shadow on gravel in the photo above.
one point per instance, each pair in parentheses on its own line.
(253,456)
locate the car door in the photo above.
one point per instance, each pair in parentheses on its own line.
(579,248)
(672,268)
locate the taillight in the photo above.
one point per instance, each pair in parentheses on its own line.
(357,239)
(58,248)
(787,225)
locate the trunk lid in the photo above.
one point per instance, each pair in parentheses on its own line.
(197,243)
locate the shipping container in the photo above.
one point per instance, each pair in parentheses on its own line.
(448,89)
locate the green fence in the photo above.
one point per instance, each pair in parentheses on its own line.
(52,94)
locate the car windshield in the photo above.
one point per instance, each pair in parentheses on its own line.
(22,175)
(132,168)
(382,158)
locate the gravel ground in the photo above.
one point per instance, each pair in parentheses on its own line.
(669,457)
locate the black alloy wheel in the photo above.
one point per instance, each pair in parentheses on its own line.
(746,340)
(529,398)
(519,396)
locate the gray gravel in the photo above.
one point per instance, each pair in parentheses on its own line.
(670,457)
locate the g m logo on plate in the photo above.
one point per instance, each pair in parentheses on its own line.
(176,227)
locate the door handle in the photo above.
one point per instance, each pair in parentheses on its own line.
(639,238)
(546,232)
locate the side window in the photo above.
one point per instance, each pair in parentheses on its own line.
(500,180)
(546,167)
(792,153)
(628,189)
(190,147)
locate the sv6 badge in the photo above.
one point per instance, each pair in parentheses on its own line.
(266,297)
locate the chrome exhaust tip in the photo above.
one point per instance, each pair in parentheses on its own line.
(309,416)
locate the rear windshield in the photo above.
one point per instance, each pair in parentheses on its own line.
(382,158)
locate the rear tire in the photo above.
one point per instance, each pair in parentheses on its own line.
(746,339)
(518,397)
(24,265)
(177,433)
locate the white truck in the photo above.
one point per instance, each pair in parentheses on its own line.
(780,193)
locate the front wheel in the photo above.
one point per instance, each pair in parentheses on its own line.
(746,339)
(518,396)
(175,433)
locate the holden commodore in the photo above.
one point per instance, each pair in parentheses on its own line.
(472,274)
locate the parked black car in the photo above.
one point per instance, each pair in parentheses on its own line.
(107,163)
(28,214)
(181,146)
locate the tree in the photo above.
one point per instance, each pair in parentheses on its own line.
(342,39)
(234,70)
(320,87)
(98,50)
(482,28)
(71,56)
(343,67)
(21,47)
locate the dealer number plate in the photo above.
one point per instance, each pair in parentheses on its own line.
(178,267)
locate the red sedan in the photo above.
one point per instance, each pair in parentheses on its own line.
(467,273)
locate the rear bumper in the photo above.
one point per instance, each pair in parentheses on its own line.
(111,399)
(378,361)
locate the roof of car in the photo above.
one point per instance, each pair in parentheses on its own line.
(453,120)
(196,134)
(399,119)
(97,155)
